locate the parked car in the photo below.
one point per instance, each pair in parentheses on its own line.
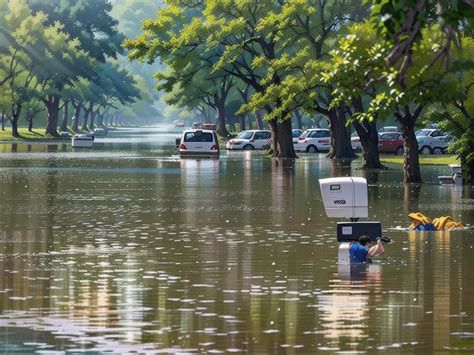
(82,141)
(431,140)
(199,142)
(313,140)
(210,126)
(196,125)
(179,124)
(355,141)
(99,132)
(387,129)
(391,143)
(295,133)
(65,134)
(250,140)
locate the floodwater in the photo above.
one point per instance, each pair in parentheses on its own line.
(128,248)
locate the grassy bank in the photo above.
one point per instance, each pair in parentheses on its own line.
(36,134)
(424,159)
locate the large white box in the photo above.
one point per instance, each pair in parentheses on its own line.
(345,197)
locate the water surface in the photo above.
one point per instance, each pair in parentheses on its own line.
(126,247)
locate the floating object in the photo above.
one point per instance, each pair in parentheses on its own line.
(82,141)
(447,222)
(420,222)
(455,178)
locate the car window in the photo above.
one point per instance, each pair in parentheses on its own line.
(245,135)
(266,135)
(435,134)
(423,132)
(296,134)
(258,135)
(319,134)
(305,134)
(198,137)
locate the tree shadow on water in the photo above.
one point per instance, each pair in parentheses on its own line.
(340,167)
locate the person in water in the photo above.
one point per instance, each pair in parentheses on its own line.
(359,251)
(420,222)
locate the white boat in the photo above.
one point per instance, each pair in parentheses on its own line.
(455,178)
(82,141)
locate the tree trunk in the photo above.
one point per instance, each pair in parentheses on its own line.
(65,114)
(14,123)
(411,164)
(3,120)
(52,105)
(220,109)
(86,118)
(299,122)
(77,113)
(259,119)
(467,157)
(282,140)
(243,126)
(93,115)
(30,124)
(369,138)
(340,137)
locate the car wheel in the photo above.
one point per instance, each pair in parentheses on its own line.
(311,149)
(399,151)
(437,151)
(248,147)
(426,150)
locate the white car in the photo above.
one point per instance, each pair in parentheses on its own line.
(431,140)
(313,140)
(295,133)
(250,140)
(355,142)
(199,142)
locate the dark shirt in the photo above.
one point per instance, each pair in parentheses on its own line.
(358,253)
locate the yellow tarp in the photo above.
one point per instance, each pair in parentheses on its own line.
(440,223)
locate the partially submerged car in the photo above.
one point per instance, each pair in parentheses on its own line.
(250,140)
(199,142)
(313,140)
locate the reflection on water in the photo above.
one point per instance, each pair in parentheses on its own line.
(127,248)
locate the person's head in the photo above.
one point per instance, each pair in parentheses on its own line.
(364,240)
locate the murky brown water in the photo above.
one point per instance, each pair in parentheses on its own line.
(127,247)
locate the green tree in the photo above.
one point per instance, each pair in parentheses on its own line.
(226,37)
(89,21)
(90,35)
(308,31)
(361,70)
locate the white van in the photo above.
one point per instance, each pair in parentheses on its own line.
(199,142)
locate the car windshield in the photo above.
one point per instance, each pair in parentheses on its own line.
(198,137)
(245,135)
(389,129)
(305,134)
(423,132)
(296,134)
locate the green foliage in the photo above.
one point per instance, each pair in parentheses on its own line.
(359,68)
(88,21)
